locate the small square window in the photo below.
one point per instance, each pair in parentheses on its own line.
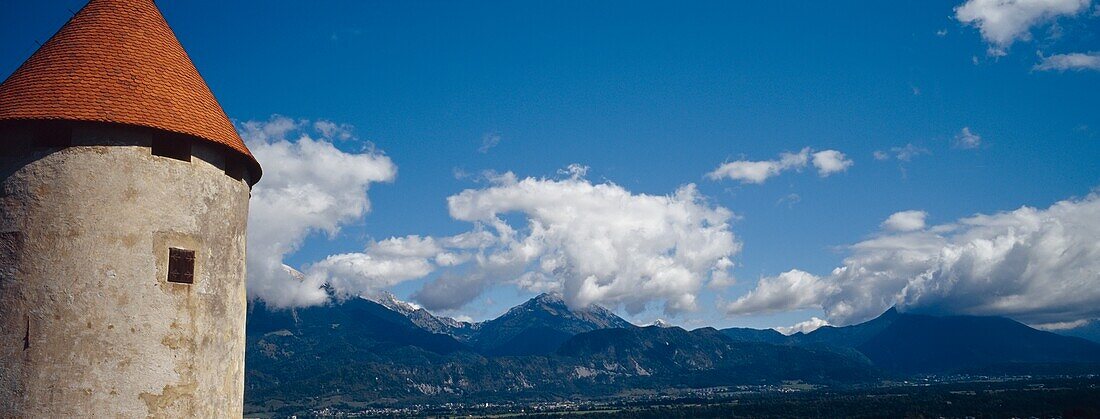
(181,266)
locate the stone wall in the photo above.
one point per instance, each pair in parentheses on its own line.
(89,324)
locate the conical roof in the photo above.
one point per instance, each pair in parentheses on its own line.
(118,61)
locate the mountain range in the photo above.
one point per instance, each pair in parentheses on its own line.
(426,320)
(541,325)
(383,351)
(904,343)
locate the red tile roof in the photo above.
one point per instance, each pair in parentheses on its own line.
(118,61)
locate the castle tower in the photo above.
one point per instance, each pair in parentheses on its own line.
(123,201)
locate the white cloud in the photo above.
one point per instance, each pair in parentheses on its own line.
(791,290)
(332,130)
(1070,62)
(905,154)
(308,186)
(488,141)
(908,152)
(759,171)
(807,326)
(827,163)
(791,199)
(382,265)
(408,246)
(1062,325)
(364,273)
(600,243)
(463,318)
(1003,22)
(451,290)
(831,161)
(395,260)
(595,243)
(574,171)
(967,139)
(905,221)
(720,276)
(1035,265)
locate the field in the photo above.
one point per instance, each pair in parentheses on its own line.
(956,397)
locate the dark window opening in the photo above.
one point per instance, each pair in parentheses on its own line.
(172,146)
(181,265)
(53,135)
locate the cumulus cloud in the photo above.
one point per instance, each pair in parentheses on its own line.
(826,162)
(1038,266)
(451,290)
(1003,22)
(600,243)
(308,186)
(967,139)
(382,265)
(905,221)
(791,290)
(831,161)
(1070,62)
(392,261)
(595,243)
(747,171)
(807,326)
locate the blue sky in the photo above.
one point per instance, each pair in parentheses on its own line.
(652,96)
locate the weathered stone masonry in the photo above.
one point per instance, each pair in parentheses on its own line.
(123,204)
(89,322)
